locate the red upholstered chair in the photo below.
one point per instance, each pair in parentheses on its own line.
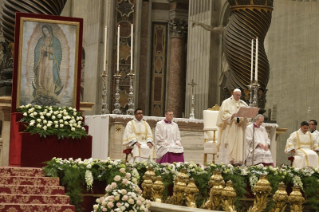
(128,151)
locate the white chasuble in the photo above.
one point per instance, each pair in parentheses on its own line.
(254,136)
(167,138)
(231,137)
(304,144)
(139,131)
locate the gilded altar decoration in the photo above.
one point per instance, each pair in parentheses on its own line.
(296,199)
(215,199)
(280,198)
(191,193)
(229,195)
(262,190)
(157,190)
(179,188)
(241,177)
(150,172)
(147,186)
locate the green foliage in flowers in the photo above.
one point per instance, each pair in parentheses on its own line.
(65,122)
(77,174)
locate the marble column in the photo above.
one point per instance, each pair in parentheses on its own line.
(177,67)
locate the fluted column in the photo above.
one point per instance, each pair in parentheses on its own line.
(250,19)
(177,67)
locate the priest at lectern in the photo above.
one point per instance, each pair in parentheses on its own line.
(231,130)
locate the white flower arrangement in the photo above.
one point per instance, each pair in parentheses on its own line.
(297,181)
(122,195)
(64,122)
(89,179)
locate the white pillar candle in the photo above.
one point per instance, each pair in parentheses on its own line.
(252,61)
(256,67)
(105,39)
(132,45)
(118,48)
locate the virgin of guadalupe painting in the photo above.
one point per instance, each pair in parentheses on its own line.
(47,83)
(48,71)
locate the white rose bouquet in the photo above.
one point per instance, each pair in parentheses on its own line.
(65,122)
(122,195)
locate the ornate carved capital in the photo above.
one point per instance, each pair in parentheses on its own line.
(177,27)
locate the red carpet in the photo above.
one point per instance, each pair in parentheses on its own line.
(26,189)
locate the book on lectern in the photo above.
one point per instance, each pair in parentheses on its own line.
(247,112)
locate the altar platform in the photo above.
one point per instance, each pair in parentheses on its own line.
(107,132)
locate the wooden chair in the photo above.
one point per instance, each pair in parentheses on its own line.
(128,151)
(291,158)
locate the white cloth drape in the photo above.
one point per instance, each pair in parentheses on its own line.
(99,129)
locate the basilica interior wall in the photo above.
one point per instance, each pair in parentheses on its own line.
(291,45)
(292,48)
(94,20)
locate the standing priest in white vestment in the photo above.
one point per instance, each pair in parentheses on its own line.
(138,134)
(169,148)
(258,143)
(231,130)
(303,144)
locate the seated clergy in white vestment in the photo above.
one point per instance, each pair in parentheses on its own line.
(258,144)
(168,140)
(302,143)
(138,135)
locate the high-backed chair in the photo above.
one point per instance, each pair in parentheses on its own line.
(210,132)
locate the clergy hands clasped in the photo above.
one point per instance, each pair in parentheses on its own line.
(149,145)
(264,147)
